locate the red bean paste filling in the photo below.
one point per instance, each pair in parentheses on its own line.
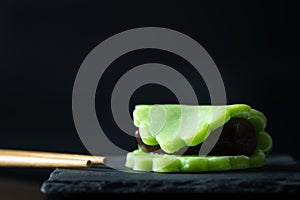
(237,138)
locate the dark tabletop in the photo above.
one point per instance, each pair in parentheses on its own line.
(280,175)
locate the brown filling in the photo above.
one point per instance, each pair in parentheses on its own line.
(237,138)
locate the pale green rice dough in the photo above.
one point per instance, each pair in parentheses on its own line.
(174,126)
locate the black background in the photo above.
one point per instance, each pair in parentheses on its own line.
(42,45)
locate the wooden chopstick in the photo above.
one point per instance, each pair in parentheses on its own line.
(24,161)
(93,159)
(16,158)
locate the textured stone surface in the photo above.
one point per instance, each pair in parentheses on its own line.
(281,174)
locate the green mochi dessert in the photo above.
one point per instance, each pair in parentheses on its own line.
(170,137)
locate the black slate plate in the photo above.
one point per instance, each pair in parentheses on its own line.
(280,175)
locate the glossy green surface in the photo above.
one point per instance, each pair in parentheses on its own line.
(177,126)
(264,142)
(141,161)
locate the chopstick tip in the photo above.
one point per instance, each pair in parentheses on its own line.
(105,160)
(89,163)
